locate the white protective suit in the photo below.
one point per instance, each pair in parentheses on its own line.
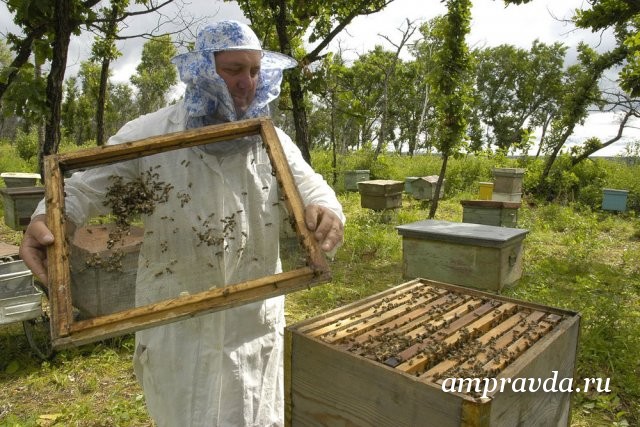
(224,368)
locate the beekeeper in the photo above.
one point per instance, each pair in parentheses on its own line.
(218,226)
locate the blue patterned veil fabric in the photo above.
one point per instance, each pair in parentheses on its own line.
(207,99)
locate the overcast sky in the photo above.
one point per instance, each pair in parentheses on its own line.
(492,24)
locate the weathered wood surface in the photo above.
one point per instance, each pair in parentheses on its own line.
(19,203)
(490,212)
(380,187)
(479,267)
(330,381)
(58,252)
(379,203)
(507,180)
(475,255)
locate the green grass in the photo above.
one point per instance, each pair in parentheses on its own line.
(576,258)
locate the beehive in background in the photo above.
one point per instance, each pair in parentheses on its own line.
(19,204)
(507,184)
(381,194)
(352,178)
(490,212)
(475,255)
(424,188)
(103,278)
(381,361)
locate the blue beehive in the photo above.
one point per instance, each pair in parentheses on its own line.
(614,200)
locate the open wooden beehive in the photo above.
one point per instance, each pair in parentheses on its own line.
(382,360)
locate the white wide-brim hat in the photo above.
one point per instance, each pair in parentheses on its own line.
(233,35)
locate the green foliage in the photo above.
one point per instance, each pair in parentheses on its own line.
(27,144)
(588,262)
(10,161)
(576,258)
(155,74)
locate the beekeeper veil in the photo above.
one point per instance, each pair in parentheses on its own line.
(207,99)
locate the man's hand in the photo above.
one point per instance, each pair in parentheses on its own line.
(33,249)
(325,225)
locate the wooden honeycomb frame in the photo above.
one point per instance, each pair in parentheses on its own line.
(67,331)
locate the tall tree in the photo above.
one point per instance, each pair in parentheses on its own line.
(47,29)
(424,51)
(452,86)
(580,91)
(623,17)
(155,74)
(388,72)
(512,86)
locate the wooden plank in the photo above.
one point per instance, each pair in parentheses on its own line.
(332,387)
(495,340)
(370,320)
(85,331)
(58,271)
(158,144)
(483,324)
(334,384)
(292,199)
(556,351)
(310,326)
(409,329)
(69,332)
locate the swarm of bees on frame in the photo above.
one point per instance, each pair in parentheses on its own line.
(127,200)
(435,333)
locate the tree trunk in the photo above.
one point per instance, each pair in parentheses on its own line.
(295,84)
(55,79)
(436,193)
(334,157)
(300,115)
(102,101)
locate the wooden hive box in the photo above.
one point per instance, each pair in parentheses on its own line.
(386,360)
(614,200)
(352,178)
(19,204)
(381,194)
(19,179)
(507,180)
(407,184)
(476,255)
(424,187)
(490,212)
(103,280)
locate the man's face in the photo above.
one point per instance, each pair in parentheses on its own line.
(240,70)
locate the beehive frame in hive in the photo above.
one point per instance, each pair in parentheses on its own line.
(382,360)
(67,331)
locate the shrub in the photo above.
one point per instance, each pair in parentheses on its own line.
(27,144)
